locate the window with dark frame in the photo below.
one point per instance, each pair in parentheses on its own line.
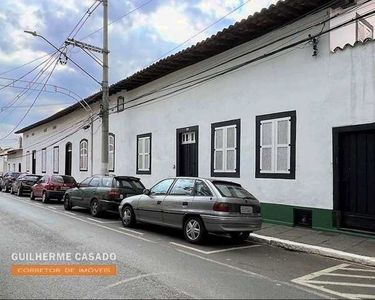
(27,161)
(120,103)
(56,159)
(111,152)
(225,148)
(144,153)
(44,160)
(276,145)
(83,155)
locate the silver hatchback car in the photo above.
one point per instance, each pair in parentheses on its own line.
(197,206)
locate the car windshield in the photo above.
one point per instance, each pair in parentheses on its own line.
(128,183)
(32,177)
(63,179)
(232,190)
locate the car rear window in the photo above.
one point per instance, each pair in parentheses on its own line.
(15,175)
(107,181)
(128,183)
(63,179)
(232,190)
(32,177)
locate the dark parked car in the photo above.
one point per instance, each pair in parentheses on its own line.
(52,187)
(197,206)
(24,183)
(7,180)
(101,193)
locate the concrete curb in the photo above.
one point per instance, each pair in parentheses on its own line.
(301,247)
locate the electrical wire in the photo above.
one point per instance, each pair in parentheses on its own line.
(228,70)
(118,19)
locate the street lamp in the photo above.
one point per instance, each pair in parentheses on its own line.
(33,33)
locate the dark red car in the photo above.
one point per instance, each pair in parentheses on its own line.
(52,187)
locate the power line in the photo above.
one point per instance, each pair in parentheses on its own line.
(203,30)
(31,106)
(118,19)
(228,70)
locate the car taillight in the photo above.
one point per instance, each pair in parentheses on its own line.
(221,206)
(115,193)
(50,187)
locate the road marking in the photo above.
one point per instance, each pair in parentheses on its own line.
(214,251)
(70,213)
(308,281)
(361,270)
(342,283)
(350,275)
(130,230)
(103,222)
(95,224)
(311,291)
(52,207)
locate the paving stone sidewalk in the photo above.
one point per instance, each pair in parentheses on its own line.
(337,241)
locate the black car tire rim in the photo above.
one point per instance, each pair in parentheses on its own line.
(94,207)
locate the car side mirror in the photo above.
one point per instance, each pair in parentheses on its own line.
(146,192)
(76,185)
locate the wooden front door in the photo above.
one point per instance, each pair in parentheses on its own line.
(355,193)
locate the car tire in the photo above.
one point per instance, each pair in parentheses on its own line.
(19,192)
(67,204)
(240,236)
(32,196)
(194,230)
(6,189)
(128,217)
(11,190)
(94,208)
(45,198)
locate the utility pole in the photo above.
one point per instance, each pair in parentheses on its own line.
(104,102)
(104,105)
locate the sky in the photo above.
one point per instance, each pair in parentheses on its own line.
(136,40)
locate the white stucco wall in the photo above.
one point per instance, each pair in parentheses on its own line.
(330,90)
(14,160)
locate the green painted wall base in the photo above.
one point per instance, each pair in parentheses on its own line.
(322,219)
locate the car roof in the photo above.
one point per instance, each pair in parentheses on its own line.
(116,176)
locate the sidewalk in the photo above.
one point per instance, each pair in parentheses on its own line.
(330,244)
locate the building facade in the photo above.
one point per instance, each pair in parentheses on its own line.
(293,124)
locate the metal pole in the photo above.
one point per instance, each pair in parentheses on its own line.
(105,88)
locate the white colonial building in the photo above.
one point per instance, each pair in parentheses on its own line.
(260,103)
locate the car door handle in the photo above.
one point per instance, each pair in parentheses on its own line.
(185,203)
(158,202)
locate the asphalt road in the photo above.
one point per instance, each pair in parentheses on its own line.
(152,262)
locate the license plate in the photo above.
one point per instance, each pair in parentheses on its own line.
(64,188)
(246,209)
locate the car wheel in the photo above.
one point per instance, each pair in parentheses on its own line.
(67,204)
(11,190)
(45,198)
(94,208)
(6,189)
(194,230)
(32,196)
(128,217)
(19,192)
(239,236)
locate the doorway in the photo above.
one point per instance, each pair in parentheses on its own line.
(187,151)
(354,176)
(33,162)
(68,159)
